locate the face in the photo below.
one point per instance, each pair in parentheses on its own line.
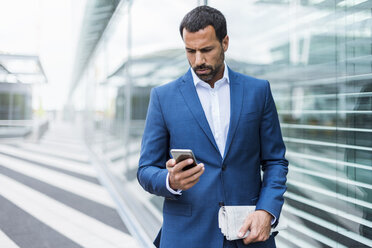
(206,53)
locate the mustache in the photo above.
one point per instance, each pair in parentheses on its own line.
(203,66)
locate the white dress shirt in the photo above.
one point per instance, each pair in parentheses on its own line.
(216,105)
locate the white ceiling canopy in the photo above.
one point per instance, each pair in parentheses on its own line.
(21,69)
(97,15)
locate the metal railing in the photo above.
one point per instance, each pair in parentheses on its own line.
(33,129)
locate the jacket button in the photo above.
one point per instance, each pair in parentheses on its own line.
(221,204)
(223,167)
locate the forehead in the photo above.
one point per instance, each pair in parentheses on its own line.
(201,38)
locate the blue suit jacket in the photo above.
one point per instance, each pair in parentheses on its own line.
(176,120)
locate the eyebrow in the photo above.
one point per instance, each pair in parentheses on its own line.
(202,49)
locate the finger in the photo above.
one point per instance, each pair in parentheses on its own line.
(179,166)
(263,235)
(250,238)
(190,184)
(192,171)
(244,229)
(246,226)
(195,176)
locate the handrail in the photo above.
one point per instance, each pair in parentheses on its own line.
(110,183)
(17,122)
(36,127)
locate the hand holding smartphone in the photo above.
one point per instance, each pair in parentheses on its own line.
(183,154)
(184,177)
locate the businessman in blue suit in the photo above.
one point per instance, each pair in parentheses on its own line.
(229,121)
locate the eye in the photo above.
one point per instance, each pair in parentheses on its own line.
(190,51)
(206,50)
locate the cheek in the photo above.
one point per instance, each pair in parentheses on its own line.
(191,59)
(215,59)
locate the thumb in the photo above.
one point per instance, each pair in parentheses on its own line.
(170,163)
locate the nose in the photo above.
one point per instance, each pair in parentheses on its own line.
(199,59)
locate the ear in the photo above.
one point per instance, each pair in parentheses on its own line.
(225,43)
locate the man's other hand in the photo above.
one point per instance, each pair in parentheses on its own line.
(259,225)
(183,180)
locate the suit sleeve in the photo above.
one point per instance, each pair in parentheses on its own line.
(274,164)
(152,173)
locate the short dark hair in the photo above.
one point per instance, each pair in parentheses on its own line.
(203,16)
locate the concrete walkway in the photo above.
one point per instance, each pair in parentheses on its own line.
(50,196)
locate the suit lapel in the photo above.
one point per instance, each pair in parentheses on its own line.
(236,100)
(192,101)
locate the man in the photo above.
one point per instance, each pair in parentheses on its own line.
(230,122)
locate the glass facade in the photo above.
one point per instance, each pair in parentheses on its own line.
(15,101)
(317,55)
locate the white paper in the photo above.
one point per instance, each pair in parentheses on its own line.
(231,219)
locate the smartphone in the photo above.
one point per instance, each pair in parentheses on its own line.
(182,154)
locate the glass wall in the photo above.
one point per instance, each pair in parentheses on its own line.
(317,55)
(15,101)
(139,50)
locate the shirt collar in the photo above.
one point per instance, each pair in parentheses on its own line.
(197,80)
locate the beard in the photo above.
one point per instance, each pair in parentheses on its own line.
(213,69)
(206,77)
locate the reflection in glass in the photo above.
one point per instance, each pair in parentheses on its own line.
(317,56)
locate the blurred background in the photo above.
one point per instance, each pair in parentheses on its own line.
(87,66)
